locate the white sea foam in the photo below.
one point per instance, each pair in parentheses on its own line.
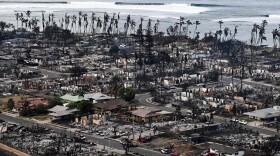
(274,16)
(106,6)
(269,19)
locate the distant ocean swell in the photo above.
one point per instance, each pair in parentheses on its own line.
(116,3)
(36,2)
(130,8)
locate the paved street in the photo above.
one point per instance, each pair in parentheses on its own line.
(255,129)
(101,141)
(227,80)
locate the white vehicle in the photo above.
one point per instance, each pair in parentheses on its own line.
(83,138)
(165,151)
(234,120)
(243,122)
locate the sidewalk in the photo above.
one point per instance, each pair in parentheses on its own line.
(260,83)
(110,148)
(11,114)
(259,124)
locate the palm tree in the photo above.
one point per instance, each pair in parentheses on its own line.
(80,21)
(255,30)
(52,17)
(110,28)
(85,22)
(140,31)
(261,35)
(25,21)
(186,29)
(197,35)
(274,35)
(156,27)
(226,32)
(74,22)
(17,18)
(180,23)
(21,19)
(93,18)
(132,26)
(34,23)
(196,24)
(116,23)
(220,23)
(28,13)
(99,23)
(264,23)
(112,22)
(67,21)
(149,25)
(43,20)
(114,85)
(128,20)
(235,31)
(106,18)
(61,22)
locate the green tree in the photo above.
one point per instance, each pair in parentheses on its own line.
(84,106)
(126,144)
(77,72)
(127,94)
(114,51)
(213,75)
(41,109)
(114,85)
(25,111)
(234,109)
(10,104)
(55,101)
(178,114)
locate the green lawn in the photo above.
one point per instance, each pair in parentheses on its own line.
(246,118)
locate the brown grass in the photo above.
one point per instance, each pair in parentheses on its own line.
(41,117)
(15,98)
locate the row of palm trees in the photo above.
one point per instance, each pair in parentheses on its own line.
(110,25)
(93,24)
(180,29)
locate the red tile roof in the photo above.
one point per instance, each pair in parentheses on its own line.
(32,103)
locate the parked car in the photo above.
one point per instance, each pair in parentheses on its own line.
(144,139)
(82,137)
(166,151)
(243,122)
(234,120)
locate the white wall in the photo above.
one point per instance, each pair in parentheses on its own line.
(240,153)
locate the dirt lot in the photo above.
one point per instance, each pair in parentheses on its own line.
(16,99)
(179,146)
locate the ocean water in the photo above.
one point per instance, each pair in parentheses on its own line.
(234,13)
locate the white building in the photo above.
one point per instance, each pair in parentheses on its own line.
(224,150)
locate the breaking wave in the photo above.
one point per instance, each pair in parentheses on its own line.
(254,19)
(104,6)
